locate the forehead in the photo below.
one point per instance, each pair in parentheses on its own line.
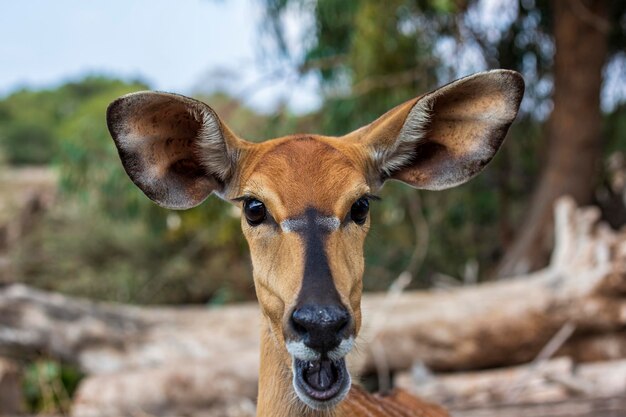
(304,172)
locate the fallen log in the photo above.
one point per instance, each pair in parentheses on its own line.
(213,387)
(587,407)
(555,388)
(554,381)
(102,338)
(596,347)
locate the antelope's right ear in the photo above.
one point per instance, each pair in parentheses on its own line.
(443,138)
(175,149)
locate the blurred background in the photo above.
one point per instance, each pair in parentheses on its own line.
(71,221)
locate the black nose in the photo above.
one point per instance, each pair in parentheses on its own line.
(320,327)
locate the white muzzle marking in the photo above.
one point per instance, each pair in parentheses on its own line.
(301,351)
(326,223)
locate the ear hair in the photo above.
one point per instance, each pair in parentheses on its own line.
(414,131)
(212,150)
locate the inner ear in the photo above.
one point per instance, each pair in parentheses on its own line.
(445,137)
(460,128)
(174,148)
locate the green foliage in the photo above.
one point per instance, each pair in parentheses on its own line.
(49,385)
(30,121)
(28,143)
(81,250)
(615,131)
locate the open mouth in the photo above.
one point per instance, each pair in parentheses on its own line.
(324,382)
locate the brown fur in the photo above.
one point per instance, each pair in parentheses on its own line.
(178,152)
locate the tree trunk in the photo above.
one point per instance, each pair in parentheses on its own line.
(574,129)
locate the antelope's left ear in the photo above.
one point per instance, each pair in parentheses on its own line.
(174,148)
(445,137)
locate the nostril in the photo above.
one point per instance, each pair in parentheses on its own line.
(297,324)
(343,321)
(320,327)
(303,320)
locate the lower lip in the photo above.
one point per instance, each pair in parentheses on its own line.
(339,376)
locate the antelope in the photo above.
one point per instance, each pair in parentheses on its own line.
(305,200)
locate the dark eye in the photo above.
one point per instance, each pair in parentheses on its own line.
(359,210)
(254,211)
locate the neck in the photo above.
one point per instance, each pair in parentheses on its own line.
(277,397)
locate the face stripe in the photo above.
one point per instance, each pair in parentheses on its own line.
(318,286)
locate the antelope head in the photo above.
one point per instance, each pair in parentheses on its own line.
(305,201)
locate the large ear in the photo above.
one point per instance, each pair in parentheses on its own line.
(174,148)
(445,137)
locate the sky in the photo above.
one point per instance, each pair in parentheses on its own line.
(179,46)
(182,46)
